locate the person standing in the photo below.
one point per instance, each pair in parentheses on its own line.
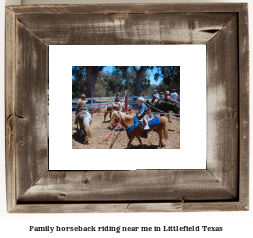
(174,95)
(169,99)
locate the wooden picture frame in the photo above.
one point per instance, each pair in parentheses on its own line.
(222,186)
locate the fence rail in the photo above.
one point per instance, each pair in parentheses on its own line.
(93,104)
(108,98)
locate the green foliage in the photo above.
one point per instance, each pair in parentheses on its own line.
(128,75)
(170,76)
(109,84)
(160,87)
(124,78)
(79,81)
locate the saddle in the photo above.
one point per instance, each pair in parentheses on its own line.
(81,111)
(149,117)
(152,121)
(115,107)
(144,133)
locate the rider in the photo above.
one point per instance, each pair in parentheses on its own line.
(168,98)
(142,112)
(81,106)
(118,101)
(156,96)
(161,95)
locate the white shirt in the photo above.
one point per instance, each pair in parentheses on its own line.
(174,96)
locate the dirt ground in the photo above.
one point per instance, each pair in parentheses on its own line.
(100,130)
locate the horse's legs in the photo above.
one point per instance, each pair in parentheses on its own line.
(160,140)
(159,132)
(139,139)
(105,115)
(110,115)
(77,121)
(131,139)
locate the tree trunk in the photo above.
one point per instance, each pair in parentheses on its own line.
(91,76)
(138,80)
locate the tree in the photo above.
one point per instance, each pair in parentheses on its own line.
(145,85)
(127,75)
(92,72)
(170,75)
(79,81)
(138,81)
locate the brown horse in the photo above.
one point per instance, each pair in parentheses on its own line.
(127,121)
(112,107)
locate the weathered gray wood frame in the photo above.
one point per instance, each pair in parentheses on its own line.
(222,186)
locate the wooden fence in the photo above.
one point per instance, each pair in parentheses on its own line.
(91,102)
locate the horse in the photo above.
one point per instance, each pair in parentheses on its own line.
(84,120)
(164,107)
(127,121)
(113,107)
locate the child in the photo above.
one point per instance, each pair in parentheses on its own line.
(155,96)
(161,95)
(81,106)
(142,111)
(117,101)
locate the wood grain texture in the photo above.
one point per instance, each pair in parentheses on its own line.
(139,185)
(223,186)
(129,207)
(222,107)
(244,106)
(155,8)
(125,29)
(9,108)
(30,108)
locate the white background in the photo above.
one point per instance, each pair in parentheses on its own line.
(192,126)
(236,224)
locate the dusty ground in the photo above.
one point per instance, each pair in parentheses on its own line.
(100,130)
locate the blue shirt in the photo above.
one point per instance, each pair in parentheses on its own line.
(142,108)
(156,95)
(174,96)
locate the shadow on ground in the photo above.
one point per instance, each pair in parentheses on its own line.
(77,138)
(144,147)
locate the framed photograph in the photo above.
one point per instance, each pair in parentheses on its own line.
(178,135)
(100,127)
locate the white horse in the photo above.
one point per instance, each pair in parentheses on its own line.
(84,119)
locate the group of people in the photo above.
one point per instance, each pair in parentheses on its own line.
(168,97)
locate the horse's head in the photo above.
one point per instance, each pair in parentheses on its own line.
(115,117)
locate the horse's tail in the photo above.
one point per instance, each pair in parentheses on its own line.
(86,124)
(165,128)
